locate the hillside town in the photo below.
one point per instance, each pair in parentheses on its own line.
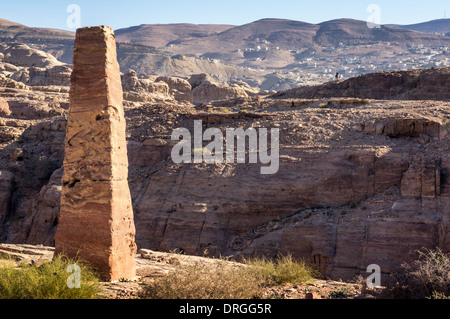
(322,65)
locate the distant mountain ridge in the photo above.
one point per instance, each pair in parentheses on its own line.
(441,26)
(278,32)
(159,35)
(425,84)
(273,54)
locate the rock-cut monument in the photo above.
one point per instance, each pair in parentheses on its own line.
(96,221)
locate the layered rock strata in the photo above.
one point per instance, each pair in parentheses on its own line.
(96,219)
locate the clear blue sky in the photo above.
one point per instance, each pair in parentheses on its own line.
(125,13)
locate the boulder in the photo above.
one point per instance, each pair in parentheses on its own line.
(205,90)
(180,89)
(197,79)
(4,108)
(211,91)
(174,83)
(144,89)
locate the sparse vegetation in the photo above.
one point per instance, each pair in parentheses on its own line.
(47,281)
(224,281)
(282,271)
(338,294)
(426,278)
(204,281)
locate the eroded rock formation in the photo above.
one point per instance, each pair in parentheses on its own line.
(96,220)
(424,84)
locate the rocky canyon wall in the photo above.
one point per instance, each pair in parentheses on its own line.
(360,181)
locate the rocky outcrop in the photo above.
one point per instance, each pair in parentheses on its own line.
(200,88)
(10,83)
(180,88)
(34,109)
(27,254)
(43,219)
(22,55)
(23,67)
(426,84)
(96,220)
(4,108)
(206,90)
(404,127)
(144,89)
(58,76)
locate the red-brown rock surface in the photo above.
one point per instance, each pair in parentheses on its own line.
(360,181)
(4,108)
(426,84)
(96,220)
(6,183)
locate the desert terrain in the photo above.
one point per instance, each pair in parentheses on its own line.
(364,161)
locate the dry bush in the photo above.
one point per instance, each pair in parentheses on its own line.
(426,278)
(222,280)
(217,280)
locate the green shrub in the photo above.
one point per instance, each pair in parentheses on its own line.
(48,281)
(282,271)
(338,294)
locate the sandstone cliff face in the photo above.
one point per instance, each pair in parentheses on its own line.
(386,230)
(240,199)
(42,221)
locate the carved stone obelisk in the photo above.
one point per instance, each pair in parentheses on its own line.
(96,221)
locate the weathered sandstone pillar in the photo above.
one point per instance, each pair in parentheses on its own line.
(96,220)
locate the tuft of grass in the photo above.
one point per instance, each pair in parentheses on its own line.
(282,271)
(47,281)
(426,278)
